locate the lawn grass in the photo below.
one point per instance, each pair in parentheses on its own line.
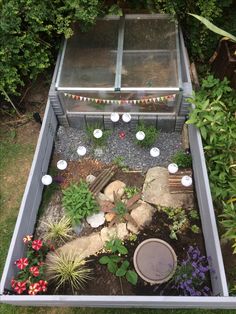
(15,162)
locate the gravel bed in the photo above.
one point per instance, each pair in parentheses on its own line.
(135,157)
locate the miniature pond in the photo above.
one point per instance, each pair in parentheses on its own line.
(104,205)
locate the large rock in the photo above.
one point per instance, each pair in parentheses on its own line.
(116,186)
(84,246)
(118,231)
(142,215)
(156,190)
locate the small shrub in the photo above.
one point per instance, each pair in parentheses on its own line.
(59,230)
(190,276)
(30,278)
(119,161)
(97,142)
(182,159)
(67,269)
(116,264)
(151,134)
(130,191)
(79,202)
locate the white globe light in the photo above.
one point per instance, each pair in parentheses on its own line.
(46,179)
(61,164)
(186,181)
(126,117)
(172,168)
(81,151)
(155,152)
(97,133)
(115,117)
(140,135)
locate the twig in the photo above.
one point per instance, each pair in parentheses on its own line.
(25,93)
(10,101)
(121,287)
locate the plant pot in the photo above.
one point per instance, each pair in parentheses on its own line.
(224,64)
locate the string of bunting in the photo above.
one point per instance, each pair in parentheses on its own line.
(122,101)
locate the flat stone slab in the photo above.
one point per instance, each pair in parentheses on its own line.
(156,190)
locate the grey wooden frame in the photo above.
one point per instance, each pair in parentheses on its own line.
(28,214)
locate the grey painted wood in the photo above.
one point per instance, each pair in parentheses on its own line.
(32,195)
(208,220)
(123,301)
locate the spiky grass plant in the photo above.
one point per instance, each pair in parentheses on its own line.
(67,269)
(58,230)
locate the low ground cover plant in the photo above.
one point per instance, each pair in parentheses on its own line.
(182,159)
(31,278)
(79,202)
(116,263)
(58,230)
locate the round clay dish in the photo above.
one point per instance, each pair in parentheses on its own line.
(155,261)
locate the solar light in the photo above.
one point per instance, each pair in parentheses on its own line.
(186,181)
(81,150)
(126,117)
(61,164)
(140,135)
(97,133)
(154,152)
(115,117)
(46,179)
(172,168)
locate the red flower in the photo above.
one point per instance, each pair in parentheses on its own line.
(22,263)
(27,239)
(19,287)
(13,283)
(37,244)
(33,288)
(34,271)
(122,135)
(42,285)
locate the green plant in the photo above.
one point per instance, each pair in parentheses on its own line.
(119,161)
(31,275)
(116,264)
(97,142)
(67,269)
(130,191)
(59,230)
(79,202)
(214,28)
(214,115)
(229,223)
(182,159)
(120,209)
(195,229)
(151,135)
(193,214)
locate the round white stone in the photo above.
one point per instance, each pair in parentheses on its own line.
(81,150)
(46,179)
(96,220)
(140,135)
(126,117)
(186,181)
(154,152)
(61,164)
(97,133)
(172,168)
(115,117)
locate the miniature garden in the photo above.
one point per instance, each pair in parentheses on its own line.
(122,213)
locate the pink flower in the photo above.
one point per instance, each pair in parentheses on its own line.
(122,135)
(13,283)
(37,244)
(42,285)
(34,271)
(27,239)
(33,288)
(20,287)
(22,263)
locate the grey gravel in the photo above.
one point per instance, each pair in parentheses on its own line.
(136,157)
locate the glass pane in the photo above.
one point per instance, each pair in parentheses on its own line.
(120,102)
(90,57)
(150,57)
